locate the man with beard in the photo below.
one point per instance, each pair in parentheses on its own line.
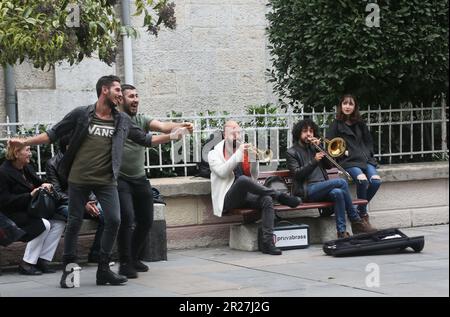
(91,163)
(135,192)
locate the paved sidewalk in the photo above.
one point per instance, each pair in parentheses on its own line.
(304,272)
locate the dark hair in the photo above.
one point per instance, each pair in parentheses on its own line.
(127,87)
(105,81)
(355,116)
(63,142)
(303,124)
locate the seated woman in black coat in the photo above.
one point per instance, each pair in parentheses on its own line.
(18,184)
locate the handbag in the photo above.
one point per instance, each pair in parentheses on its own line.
(9,232)
(43,204)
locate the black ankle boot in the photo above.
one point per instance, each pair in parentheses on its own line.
(105,275)
(139,266)
(288,200)
(270,248)
(127,269)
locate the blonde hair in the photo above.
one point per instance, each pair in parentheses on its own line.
(11,150)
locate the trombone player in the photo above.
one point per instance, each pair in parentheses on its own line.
(231,188)
(311,182)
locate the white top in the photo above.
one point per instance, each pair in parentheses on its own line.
(222,176)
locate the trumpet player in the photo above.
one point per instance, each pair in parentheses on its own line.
(311,182)
(231,189)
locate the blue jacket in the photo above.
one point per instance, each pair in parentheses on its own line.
(77,124)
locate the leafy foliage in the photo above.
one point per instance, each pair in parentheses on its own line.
(322,49)
(43,31)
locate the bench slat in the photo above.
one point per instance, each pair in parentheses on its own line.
(304,206)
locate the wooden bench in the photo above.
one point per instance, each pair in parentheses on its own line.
(251,215)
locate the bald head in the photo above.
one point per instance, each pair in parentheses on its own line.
(232,131)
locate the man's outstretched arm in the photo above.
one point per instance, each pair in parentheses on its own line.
(42,138)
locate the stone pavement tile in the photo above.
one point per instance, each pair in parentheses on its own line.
(184,283)
(264,280)
(330,290)
(236,292)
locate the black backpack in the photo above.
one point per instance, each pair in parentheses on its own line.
(278,183)
(203,166)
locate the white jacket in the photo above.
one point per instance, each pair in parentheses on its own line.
(222,176)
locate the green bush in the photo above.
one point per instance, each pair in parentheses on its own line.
(322,49)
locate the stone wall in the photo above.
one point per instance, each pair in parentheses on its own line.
(215,60)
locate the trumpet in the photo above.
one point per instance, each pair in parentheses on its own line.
(336,147)
(263,156)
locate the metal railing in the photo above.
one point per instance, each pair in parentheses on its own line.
(400,135)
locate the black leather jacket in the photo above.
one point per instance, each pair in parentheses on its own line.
(77,123)
(301,164)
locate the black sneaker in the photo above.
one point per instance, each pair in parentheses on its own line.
(139,266)
(288,200)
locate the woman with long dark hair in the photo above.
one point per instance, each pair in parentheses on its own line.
(358,159)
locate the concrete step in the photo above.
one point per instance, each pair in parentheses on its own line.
(321,229)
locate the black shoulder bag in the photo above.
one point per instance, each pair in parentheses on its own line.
(43,204)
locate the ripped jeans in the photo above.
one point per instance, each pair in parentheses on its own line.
(365,188)
(335,190)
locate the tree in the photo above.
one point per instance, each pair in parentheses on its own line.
(50,31)
(322,49)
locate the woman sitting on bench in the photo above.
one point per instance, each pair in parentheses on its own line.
(359,160)
(310,179)
(231,189)
(18,184)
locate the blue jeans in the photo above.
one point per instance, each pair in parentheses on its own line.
(365,189)
(335,190)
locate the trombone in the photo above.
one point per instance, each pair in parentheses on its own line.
(336,148)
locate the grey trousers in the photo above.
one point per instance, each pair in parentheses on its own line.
(108,198)
(246,193)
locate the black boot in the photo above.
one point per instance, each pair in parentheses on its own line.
(288,200)
(127,269)
(105,275)
(268,247)
(139,266)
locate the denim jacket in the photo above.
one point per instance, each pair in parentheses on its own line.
(77,124)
